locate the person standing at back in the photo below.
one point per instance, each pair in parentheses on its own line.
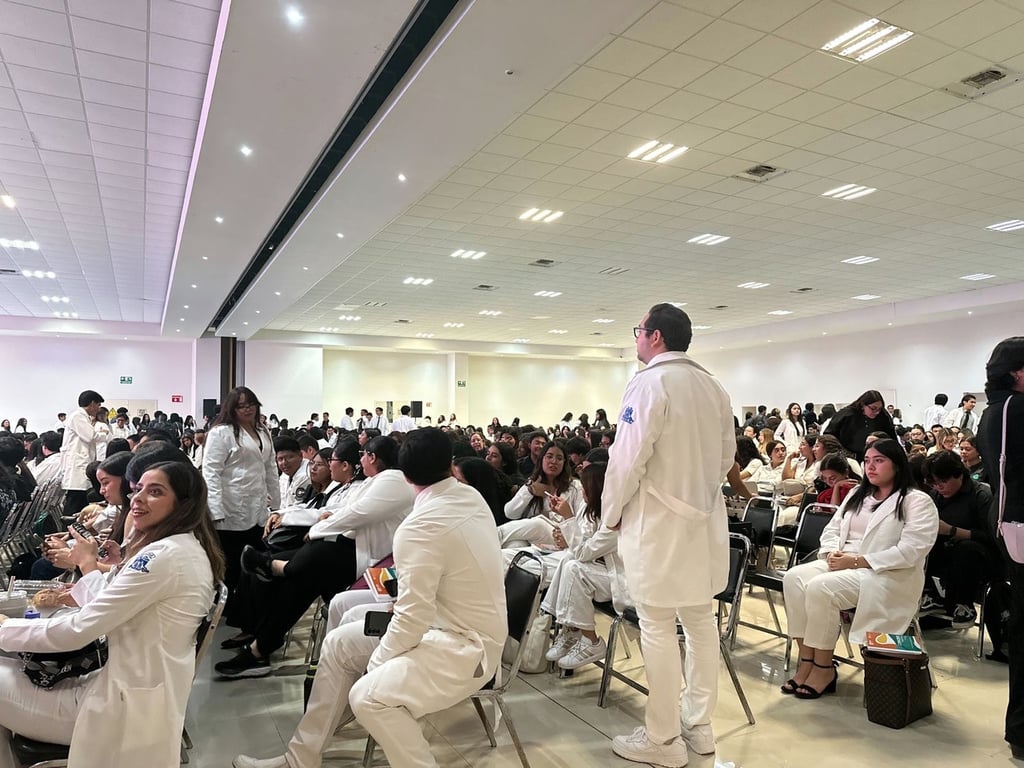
(84,431)
(674,445)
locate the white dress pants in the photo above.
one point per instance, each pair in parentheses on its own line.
(664,668)
(574,587)
(815,596)
(521,533)
(343,601)
(34,712)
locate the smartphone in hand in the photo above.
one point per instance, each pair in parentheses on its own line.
(375,624)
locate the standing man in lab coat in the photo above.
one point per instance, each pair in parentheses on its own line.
(84,431)
(674,444)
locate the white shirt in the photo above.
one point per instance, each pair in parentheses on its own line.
(403,424)
(47,469)
(934,414)
(379,422)
(347,424)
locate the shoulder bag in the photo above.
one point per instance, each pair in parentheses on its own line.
(1012,533)
(48,669)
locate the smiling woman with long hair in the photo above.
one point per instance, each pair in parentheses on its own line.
(871,558)
(133,707)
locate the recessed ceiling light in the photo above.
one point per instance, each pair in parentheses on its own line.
(655,151)
(181,319)
(977,276)
(708,239)
(305,269)
(678,303)
(541,317)
(603,320)
(547,215)
(7,200)
(340,235)
(424,335)
(401,177)
(21,245)
(780,312)
(194,285)
(548,294)
(701,327)
(558,331)
(219,219)
(860,260)
(245,322)
(185,306)
(454,325)
(969,312)
(349,318)
(1007,226)
(866,297)
(329,329)
(520,341)
(849,192)
(418,281)
(56,299)
(867,40)
(277,293)
(206,258)
(753,286)
(294,16)
(464,254)
(38,274)
(245,150)
(490,312)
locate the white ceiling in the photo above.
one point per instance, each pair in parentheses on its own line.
(738,81)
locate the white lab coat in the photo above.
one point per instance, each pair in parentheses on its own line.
(81,437)
(519,504)
(295,489)
(954,417)
(370,514)
(790,434)
(131,712)
(589,542)
(934,414)
(896,550)
(47,469)
(241,477)
(674,444)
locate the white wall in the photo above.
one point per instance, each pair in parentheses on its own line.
(916,361)
(288,379)
(359,379)
(44,375)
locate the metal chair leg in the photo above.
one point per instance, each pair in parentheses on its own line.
(727,658)
(771,607)
(609,662)
(484,719)
(512,731)
(368,752)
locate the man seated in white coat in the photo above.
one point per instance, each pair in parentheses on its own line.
(674,444)
(446,636)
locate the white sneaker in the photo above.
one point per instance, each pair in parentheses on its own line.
(563,644)
(244,761)
(584,652)
(638,748)
(699,739)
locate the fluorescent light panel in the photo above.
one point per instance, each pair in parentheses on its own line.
(849,192)
(1007,226)
(349,318)
(656,151)
(867,40)
(547,215)
(860,260)
(978,276)
(708,239)
(490,312)
(21,245)
(603,320)
(520,341)
(454,325)
(548,294)
(701,327)
(753,285)
(418,281)
(780,312)
(558,331)
(38,273)
(866,297)
(424,335)
(7,200)
(462,253)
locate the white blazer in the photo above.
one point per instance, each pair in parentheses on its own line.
(896,550)
(674,444)
(81,438)
(790,434)
(518,505)
(241,477)
(131,711)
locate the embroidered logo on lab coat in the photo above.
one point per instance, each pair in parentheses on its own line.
(139,563)
(627,414)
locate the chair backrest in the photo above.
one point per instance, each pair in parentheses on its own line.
(739,558)
(522,600)
(208,626)
(808,532)
(762,513)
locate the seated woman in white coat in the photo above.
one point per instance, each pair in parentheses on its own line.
(871,558)
(527,510)
(588,572)
(131,711)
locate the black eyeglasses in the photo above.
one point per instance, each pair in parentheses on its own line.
(638,328)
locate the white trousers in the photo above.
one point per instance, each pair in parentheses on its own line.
(574,587)
(664,668)
(815,596)
(388,701)
(34,712)
(343,601)
(533,530)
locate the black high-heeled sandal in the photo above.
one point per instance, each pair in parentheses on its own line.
(789,687)
(806,692)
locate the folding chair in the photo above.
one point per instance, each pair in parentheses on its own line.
(522,599)
(739,556)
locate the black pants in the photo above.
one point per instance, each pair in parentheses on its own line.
(1015,705)
(233,542)
(319,568)
(962,567)
(252,594)
(75,502)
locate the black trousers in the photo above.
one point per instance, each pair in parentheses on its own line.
(319,568)
(1015,705)
(962,567)
(233,542)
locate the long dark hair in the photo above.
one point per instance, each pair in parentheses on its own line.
(592,478)
(869,397)
(747,451)
(508,458)
(347,449)
(1008,356)
(902,482)
(229,411)
(484,478)
(191,515)
(799,419)
(564,479)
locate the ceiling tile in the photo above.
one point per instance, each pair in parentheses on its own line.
(182,54)
(115,116)
(639,94)
(42,81)
(676,70)
(32,53)
(722,82)
(184,21)
(768,55)
(35,23)
(113,94)
(178,81)
(667,26)
(109,38)
(589,83)
(114,69)
(626,57)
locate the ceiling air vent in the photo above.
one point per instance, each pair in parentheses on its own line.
(802,290)
(543,263)
(983,83)
(484,287)
(8,271)
(760,173)
(719,307)
(614,271)
(403,322)
(375,304)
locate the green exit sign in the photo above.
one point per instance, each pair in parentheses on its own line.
(126,379)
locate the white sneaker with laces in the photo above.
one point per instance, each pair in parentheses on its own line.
(699,739)
(563,644)
(244,761)
(638,748)
(584,652)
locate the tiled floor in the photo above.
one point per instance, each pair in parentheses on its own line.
(561,725)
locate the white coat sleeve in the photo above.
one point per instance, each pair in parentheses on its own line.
(273,476)
(80,424)
(585,548)
(151,576)
(516,507)
(387,497)
(829,541)
(299,515)
(920,529)
(217,447)
(632,449)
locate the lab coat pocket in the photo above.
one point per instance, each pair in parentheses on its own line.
(146,721)
(679,507)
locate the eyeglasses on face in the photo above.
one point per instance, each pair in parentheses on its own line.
(638,328)
(245,406)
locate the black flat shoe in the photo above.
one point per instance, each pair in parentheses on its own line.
(257,563)
(1017,752)
(807,692)
(240,640)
